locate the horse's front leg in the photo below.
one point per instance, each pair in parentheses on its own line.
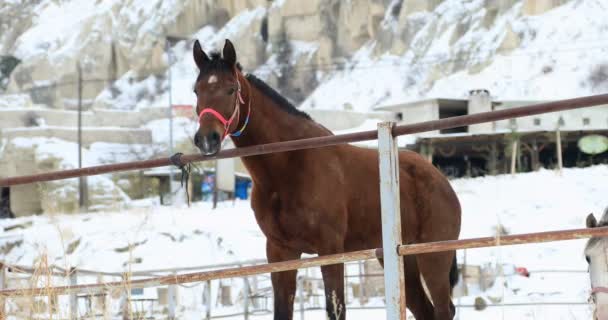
(333,280)
(283,283)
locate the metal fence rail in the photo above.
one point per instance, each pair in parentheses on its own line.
(313,262)
(318,142)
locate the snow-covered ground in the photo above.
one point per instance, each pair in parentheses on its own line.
(164,237)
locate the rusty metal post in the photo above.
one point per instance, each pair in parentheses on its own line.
(394,277)
(73,295)
(172,297)
(558,150)
(2,287)
(209,303)
(246,295)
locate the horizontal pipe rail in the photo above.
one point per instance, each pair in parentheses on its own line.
(314,262)
(318,142)
(537,237)
(199,276)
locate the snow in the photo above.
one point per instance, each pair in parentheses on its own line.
(183,129)
(11,101)
(170,237)
(555,59)
(183,71)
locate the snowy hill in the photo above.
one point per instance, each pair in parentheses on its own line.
(557,55)
(325,55)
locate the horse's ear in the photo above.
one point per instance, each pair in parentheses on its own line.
(229,53)
(591,222)
(200,57)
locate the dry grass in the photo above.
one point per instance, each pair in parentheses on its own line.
(45,275)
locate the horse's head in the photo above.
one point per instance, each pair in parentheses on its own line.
(218,92)
(596,253)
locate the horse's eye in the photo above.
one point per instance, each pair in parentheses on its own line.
(588,259)
(231,91)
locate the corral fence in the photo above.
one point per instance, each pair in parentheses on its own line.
(392,249)
(242,298)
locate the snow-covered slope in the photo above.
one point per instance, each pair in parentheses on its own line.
(556,55)
(439,51)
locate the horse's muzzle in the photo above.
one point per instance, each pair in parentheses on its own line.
(209,144)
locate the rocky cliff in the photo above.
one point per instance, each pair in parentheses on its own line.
(364,52)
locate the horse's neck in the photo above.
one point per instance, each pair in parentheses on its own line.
(268,124)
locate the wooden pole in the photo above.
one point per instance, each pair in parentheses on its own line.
(513,156)
(172,297)
(394,276)
(215,190)
(246,298)
(73,296)
(362,298)
(2,287)
(82,181)
(535,155)
(558,138)
(209,298)
(493,159)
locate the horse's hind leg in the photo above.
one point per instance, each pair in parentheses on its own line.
(435,269)
(417,301)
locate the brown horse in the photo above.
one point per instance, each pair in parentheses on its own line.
(323,201)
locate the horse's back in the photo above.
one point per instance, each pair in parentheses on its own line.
(429,206)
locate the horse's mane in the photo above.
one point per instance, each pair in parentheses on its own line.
(217,63)
(281,101)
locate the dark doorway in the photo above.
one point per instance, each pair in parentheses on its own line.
(5,203)
(452,108)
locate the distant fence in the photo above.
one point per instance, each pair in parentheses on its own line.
(389,187)
(254,298)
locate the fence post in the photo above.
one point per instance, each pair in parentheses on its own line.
(394,277)
(246,297)
(513,156)
(172,297)
(361,286)
(2,286)
(558,150)
(73,296)
(301,295)
(209,298)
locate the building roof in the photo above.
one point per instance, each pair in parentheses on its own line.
(448,102)
(453,103)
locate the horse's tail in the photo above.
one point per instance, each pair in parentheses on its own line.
(454,273)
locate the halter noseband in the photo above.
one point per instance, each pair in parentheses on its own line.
(595,290)
(235,113)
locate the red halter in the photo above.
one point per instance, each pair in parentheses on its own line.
(599,290)
(235,113)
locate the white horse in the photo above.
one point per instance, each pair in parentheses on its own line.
(596,253)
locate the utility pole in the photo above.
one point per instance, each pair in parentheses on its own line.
(82,182)
(170,109)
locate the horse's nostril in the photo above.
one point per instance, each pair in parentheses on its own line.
(196,140)
(214,138)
